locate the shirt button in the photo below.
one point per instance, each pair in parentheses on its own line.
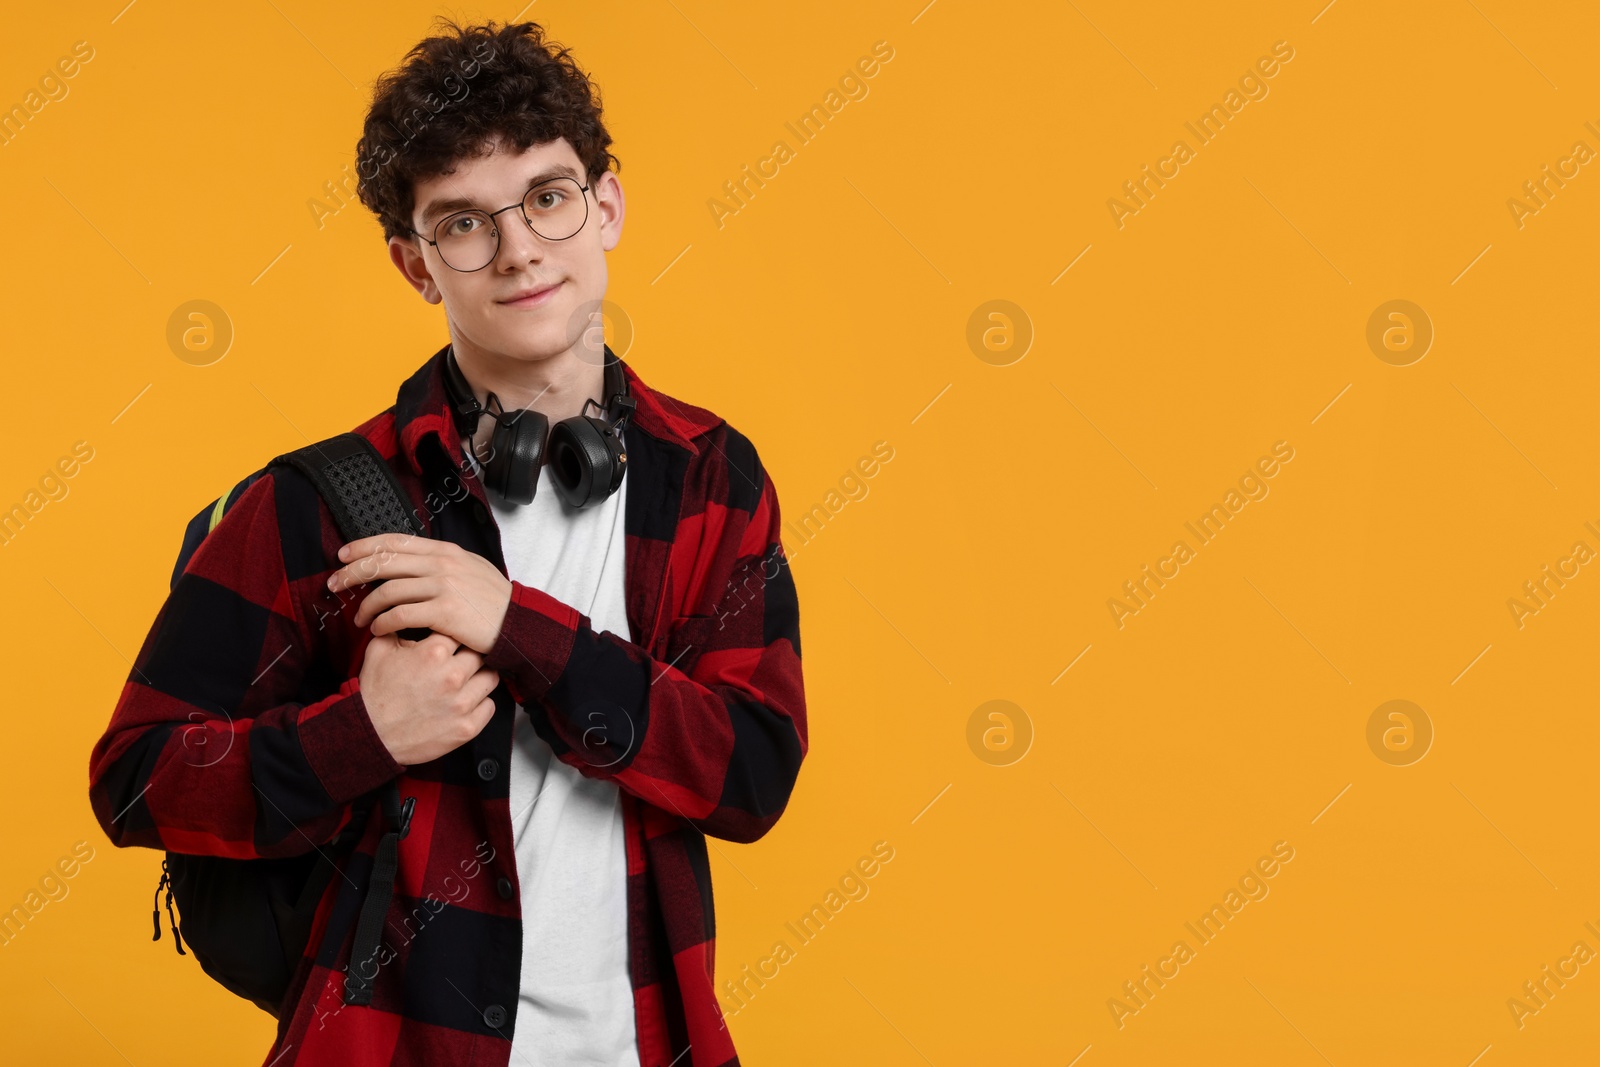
(487,768)
(505,888)
(495,1016)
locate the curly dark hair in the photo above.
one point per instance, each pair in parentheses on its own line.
(456,91)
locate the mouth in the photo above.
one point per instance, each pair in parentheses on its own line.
(533,297)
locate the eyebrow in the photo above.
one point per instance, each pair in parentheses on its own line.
(445,207)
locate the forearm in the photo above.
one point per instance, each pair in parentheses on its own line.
(720,746)
(277,783)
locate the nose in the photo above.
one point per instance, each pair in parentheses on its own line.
(518,243)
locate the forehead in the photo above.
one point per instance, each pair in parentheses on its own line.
(493,180)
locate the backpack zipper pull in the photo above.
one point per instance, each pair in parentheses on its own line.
(155,911)
(177,940)
(155,904)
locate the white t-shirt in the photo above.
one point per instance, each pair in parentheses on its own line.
(576,1002)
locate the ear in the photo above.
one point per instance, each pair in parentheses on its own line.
(610,205)
(405,253)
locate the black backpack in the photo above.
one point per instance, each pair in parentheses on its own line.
(248,921)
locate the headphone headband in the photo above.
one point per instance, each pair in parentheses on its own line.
(586,451)
(618,406)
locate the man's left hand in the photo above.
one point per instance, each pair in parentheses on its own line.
(426,583)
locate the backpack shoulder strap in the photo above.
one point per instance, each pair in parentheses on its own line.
(366,499)
(360,489)
(347,471)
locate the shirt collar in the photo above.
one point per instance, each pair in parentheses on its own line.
(422,410)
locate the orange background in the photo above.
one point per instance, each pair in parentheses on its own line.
(1043,859)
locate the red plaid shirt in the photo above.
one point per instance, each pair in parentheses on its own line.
(241,732)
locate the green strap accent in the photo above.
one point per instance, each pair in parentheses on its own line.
(216,512)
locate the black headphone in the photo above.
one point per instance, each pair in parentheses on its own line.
(586,454)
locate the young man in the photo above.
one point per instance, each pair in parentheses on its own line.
(605,684)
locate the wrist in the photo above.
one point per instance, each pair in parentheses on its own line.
(534,642)
(342,745)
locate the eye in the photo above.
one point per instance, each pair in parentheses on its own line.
(462,225)
(546,199)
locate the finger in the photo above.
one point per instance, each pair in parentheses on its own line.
(380,547)
(392,592)
(471,657)
(389,595)
(381,646)
(421,614)
(481,716)
(480,685)
(391,542)
(379,567)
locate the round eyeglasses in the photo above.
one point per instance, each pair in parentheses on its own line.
(470,240)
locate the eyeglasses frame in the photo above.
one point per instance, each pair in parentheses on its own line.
(583,191)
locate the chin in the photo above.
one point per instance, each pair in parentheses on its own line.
(535,341)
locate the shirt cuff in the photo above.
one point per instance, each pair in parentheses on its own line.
(535,642)
(342,746)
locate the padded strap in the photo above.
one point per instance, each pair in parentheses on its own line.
(365,499)
(355,480)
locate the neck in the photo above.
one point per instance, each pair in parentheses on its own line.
(557,386)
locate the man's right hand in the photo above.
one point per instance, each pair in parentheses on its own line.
(425,698)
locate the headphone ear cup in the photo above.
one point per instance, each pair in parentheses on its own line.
(513,469)
(585,460)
